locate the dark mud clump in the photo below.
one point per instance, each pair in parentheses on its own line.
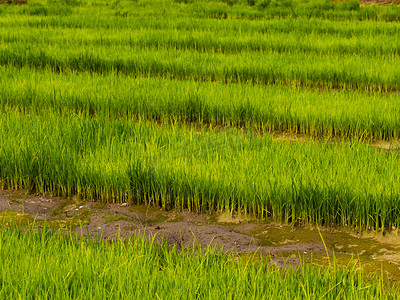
(15,2)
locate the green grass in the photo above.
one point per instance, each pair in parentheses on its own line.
(318,37)
(346,54)
(81,98)
(275,108)
(351,71)
(97,18)
(64,266)
(110,159)
(226,9)
(171,103)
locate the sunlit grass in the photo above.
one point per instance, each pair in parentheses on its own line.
(171,103)
(110,159)
(327,113)
(63,265)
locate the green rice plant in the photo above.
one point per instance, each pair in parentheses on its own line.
(95,18)
(207,39)
(265,52)
(343,10)
(172,166)
(270,68)
(68,265)
(345,114)
(84,93)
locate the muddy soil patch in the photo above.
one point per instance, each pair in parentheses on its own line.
(284,243)
(16,2)
(379,2)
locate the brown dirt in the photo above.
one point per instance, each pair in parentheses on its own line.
(287,136)
(18,2)
(363,2)
(392,145)
(284,243)
(379,2)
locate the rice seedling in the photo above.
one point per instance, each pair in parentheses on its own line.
(184,73)
(330,72)
(174,166)
(274,108)
(69,266)
(317,38)
(270,54)
(174,104)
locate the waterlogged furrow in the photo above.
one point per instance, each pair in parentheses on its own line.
(339,113)
(301,69)
(117,160)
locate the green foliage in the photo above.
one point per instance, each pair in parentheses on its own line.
(71,2)
(184,1)
(264,4)
(174,166)
(160,103)
(341,114)
(87,75)
(230,2)
(317,7)
(350,5)
(38,11)
(67,266)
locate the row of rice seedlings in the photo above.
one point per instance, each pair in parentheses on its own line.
(347,114)
(172,166)
(295,69)
(286,9)
(69,266)
(325,9)
(95,19)
(344,29)
(204,40)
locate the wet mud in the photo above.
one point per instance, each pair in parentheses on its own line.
(380,2)
(16,2)
(285,244)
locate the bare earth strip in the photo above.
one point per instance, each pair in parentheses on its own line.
(242,236)
(379,2)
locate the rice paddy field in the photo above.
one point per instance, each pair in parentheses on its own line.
(284,111)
